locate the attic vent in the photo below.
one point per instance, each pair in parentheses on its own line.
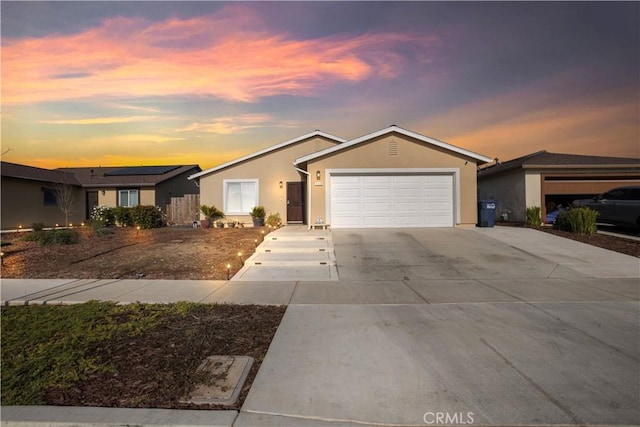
(393,148)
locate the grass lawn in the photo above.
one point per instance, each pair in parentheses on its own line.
(137,355)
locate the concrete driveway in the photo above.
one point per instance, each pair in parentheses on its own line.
(457,326)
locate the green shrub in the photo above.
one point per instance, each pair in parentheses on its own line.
(122,216)
(147,216)
(534,217)
(37,226)
(59,237)
(104,215)
(581,220)
(562,221)
(211,213)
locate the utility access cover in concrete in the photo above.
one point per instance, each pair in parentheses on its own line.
(225,377)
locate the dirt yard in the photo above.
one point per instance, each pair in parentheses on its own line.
(162,253)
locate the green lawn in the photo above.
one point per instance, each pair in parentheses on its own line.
(50,346)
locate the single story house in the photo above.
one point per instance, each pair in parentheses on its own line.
(389,178)
(547,180)
(134,185)
(29,193)
(29,196)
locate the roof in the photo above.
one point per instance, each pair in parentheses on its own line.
(394,129)
(138,176)
(544,159)
(268,150)
(33,173)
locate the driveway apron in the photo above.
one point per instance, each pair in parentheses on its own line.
(457,326)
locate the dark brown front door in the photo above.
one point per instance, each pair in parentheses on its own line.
(295,202)
(92,202)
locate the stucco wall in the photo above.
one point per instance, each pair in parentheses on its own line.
(269,169)
(23,204)
(410,154)
(509,192)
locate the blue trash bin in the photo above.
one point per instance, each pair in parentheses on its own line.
(486,213)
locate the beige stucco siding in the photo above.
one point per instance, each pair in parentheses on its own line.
(398,152)
(147,197)
(269,169)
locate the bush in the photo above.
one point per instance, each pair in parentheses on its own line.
(274,220)
(211,213)
(147,216)
(37,226)
(104,215)
(534,217)
(60,237)
(122,216)
(562,221)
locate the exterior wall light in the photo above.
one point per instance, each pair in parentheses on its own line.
(280,184)
(318,175)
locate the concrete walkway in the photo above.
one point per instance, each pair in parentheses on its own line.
(498,326)
(292,253)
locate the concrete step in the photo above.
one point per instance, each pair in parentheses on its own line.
(270,263)
(290,250)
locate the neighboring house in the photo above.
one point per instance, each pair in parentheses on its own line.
(390,178)
(28,193)
(550,179)
(134,185)
(29,196)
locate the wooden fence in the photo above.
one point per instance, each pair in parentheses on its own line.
(184,210)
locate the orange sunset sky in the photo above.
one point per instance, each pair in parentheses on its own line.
(132,83)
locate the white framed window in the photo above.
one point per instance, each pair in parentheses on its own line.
(128,198)
(240,196)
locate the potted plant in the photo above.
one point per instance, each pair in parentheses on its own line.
(257,214)
(220,223)
(232,223)
(211,213)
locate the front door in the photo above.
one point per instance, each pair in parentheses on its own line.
(295,202)
(92,202)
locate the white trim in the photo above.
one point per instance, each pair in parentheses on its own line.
(455,172)
(267,150)
(399,130)
(224,194)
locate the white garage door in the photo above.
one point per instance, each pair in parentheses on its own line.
(363,201)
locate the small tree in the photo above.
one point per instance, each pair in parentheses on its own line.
(66,197)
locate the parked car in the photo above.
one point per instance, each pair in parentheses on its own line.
(619,206)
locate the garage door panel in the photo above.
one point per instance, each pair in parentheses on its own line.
(419,200)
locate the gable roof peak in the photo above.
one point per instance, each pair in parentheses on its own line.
(387,130)
(268,150)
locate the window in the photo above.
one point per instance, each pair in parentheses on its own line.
(50,198)
(634,194)
(128,198)
(616,194)
(240,196)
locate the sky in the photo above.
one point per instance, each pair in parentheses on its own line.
(147,83)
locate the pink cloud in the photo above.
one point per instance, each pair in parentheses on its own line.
(228,55)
